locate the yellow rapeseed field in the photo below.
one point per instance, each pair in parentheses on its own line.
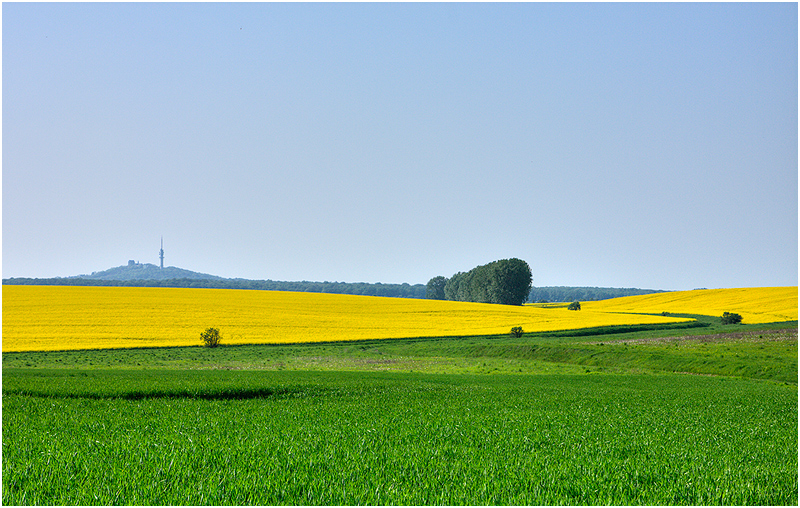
(45,318)
(755,305)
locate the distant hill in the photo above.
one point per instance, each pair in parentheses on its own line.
(147,271)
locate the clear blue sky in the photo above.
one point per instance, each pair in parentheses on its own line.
(626,145)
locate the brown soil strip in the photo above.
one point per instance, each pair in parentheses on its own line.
(783,335)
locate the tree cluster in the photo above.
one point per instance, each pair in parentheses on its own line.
(507,282)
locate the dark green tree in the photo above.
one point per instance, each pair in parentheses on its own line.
(435,288)
(453,288)
(510,281)
(729,318)
(574,306)
(211,337)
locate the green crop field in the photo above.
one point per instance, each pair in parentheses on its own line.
(689,416)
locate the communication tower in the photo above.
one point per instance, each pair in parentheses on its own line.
(161,252)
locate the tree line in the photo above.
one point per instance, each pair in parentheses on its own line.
(347,288)
(507,281)
(437,285)
(583,294)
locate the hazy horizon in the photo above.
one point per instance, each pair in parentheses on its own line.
(347,282)
(629,145)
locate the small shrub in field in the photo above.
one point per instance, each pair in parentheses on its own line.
(516,331)
(729,318)
(211,337)
(574,306)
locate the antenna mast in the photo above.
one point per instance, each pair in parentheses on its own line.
(161,252)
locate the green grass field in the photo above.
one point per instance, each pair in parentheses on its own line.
(683,416)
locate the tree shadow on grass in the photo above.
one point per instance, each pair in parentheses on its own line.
(182,393)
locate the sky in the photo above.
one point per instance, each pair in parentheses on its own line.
(644,145)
